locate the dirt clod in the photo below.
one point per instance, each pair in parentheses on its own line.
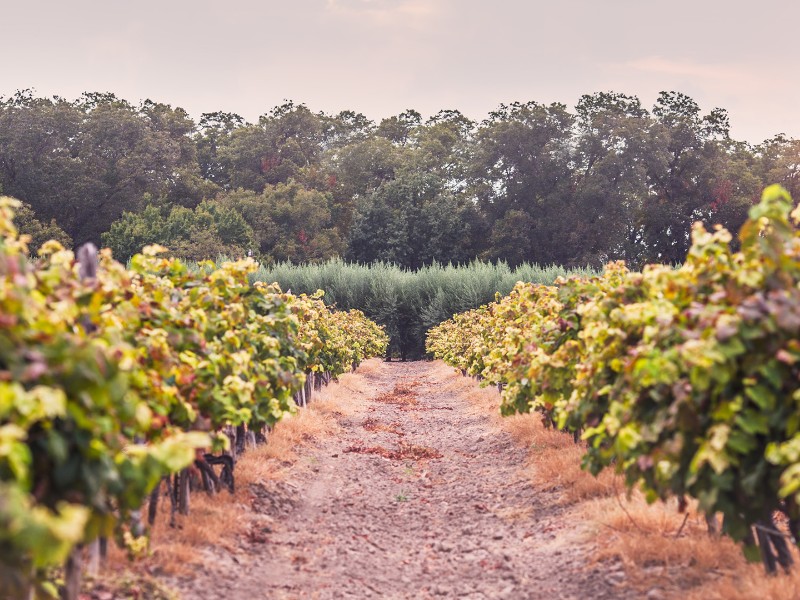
(372,424)
(405,451)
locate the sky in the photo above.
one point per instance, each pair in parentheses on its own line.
(380,57)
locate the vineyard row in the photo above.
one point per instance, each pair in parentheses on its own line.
(114,378)
(685,381)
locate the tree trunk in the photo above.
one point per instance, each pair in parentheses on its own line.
(172,491)
(767,557)
(308,387)
(712,522)
(93,562)
(152,509)
(73,571)
(183,492)
(239,446)
(261,436)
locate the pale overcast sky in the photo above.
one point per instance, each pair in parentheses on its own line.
(381,57)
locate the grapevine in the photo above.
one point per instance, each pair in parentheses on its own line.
(686,381)
(111,382)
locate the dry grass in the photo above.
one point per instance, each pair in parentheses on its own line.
(748,582)
(659,548)
(662,548)
(484,400)
(555,459)
(371,366)
(174,551)
(292,433)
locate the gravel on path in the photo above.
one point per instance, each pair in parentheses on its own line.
(419,497)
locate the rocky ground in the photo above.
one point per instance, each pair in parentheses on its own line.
(418,497)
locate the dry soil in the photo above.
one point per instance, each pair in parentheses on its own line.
(419,496)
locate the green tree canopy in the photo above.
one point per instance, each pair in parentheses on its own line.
(607,180)
(411,221)
(39,232)
(289,222)
(205,232)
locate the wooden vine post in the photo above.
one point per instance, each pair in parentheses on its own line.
(73,569)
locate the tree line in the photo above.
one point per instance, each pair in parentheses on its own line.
(607,180)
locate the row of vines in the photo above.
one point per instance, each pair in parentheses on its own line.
(113,378)
(686,381)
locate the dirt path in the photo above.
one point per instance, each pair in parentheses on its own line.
(420,497)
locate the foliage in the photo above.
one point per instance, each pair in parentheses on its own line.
(207,231)
(684,380)
(67,414)
(84,163)
(288,221)
(406,303)
(111,381)
(412,222)
(609,179)
(27,224)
